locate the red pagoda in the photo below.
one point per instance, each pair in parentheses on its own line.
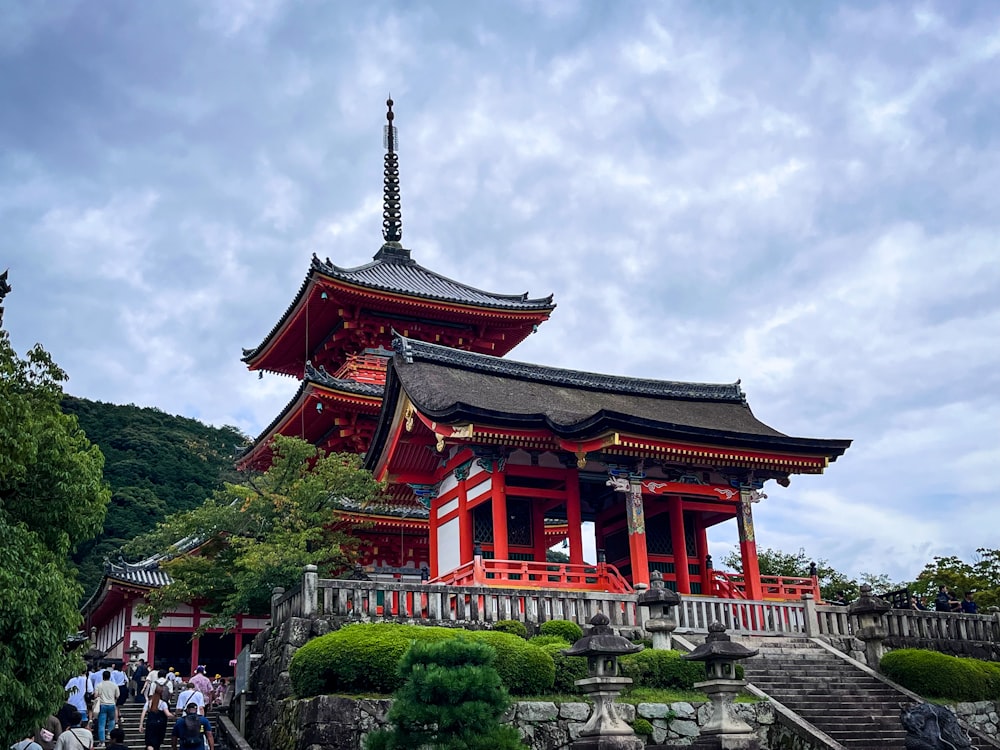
(334,338)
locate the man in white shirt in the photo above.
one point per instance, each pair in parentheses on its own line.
(106,694)
(121,680)
(76,688)
(190,695)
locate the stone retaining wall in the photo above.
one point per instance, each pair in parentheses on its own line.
(983,715)
(338,723)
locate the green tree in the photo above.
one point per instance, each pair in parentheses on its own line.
(250,537)
(52,498)
(982,576)
(156,464)
(452,699)
(774,562)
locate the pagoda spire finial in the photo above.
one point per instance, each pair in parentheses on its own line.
(392,217)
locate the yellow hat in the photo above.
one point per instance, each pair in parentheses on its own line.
(218,676)
(171,669)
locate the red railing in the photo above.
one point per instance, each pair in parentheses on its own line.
(781,588)
(537,575)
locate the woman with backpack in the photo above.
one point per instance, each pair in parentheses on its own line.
(154,717)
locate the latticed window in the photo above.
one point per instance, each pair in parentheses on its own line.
(616,546)
(482,523)
(658,539)
(518,523)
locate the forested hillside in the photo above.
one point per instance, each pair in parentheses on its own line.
(156,464)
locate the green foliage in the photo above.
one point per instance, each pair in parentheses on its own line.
(156,464)
(259,534)
(569,669)
(555,556)
(661,669)
(642,727)
(452,698)
(52,498)
(548,640)
(936,675)
(565,629)
(773,562)
(981,576)
(364,658)
(514,627)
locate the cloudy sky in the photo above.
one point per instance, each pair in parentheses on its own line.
(800,195)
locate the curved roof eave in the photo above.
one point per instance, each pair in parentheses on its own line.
(313,377)
(604,421)
(367,276)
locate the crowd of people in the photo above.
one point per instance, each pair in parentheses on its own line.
(91,717)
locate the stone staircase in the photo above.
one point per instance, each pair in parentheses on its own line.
(854,708)
(130,713)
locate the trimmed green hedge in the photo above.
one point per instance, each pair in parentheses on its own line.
(514,627)
(569,669)
(936,675)
(364,658)
(661,669)
(565,629)
(548,640)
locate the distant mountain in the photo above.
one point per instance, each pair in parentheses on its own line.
(156,464)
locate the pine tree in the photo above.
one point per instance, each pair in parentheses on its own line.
(452,699)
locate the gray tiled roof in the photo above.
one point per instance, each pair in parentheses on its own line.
(414,350)
(393,270)
(314,376)
(458,387)
(146,573)
(399,273)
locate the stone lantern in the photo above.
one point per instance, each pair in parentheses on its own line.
(605,729)
(870,611)
(93,654)
(660,601)
(132,652)
(720,654)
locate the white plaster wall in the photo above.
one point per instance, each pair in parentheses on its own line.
(449,546)
(447,484)
(481,489)
(447,508)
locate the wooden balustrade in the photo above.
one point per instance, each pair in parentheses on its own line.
(542,575)
(782,588)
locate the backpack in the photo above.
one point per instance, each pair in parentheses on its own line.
(155,720)
(191,737)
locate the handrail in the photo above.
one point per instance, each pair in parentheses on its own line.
(783,588)
(530,574)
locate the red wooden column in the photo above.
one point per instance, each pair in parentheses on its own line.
(465,528)
(748,545)
(574,517)
(637,530)
(540,545)
(499,501)
(678,541)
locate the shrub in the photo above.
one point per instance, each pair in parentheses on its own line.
(643,727)
(568,669)
(565,629)
(364,657)
(937,675)
(661,669)
(548,640)
(452,698)
(514,627)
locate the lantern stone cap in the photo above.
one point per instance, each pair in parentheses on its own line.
(719,646)
(601,640)
(665,596)
(868,604)
(658,593)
